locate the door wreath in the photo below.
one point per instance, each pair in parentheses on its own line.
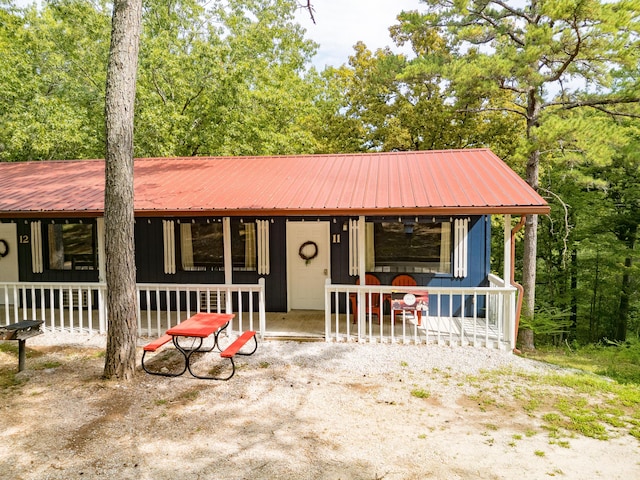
(308,257)
(4,248)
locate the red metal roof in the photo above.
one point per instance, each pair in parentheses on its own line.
(473,181)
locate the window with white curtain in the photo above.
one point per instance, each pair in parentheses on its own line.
(243,245)
(202,246)
(408,247)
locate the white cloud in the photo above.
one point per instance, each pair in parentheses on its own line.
(340,24)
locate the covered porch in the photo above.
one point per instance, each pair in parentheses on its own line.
(470,316)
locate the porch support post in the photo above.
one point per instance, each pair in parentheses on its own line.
(102,279)
(228,261)
(362,267)
(509,313)
(262,308)
(506,275)
(362,254)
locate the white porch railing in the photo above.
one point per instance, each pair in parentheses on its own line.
(81,307)
(481,316)
(61,306)
(163,305)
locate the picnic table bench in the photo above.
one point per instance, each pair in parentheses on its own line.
(197,328)
(21,331)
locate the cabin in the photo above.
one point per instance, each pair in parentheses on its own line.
(375,246)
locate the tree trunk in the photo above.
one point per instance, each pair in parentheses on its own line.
(620,333)
(525,335)
(623,309)
(573,330)
(120,360)
(594,300)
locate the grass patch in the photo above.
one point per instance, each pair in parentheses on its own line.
(569,404)
(8,379)
(46,365)
(189,395)
(420,393)
(9,347)
(618,361)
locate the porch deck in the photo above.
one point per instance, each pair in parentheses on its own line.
(296,324)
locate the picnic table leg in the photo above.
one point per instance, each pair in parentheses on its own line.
(21,355)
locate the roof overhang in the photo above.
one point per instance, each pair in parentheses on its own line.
(456,212)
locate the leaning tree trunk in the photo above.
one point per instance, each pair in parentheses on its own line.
(120,358)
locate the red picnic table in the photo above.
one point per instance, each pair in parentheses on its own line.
(201,326)
(195,330)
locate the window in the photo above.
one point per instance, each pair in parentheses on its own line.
(201,246)
(409,247)
(71,246)
(243,245)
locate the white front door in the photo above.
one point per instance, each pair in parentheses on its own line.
(306,278)
(8,255)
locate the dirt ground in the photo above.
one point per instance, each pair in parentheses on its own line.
(292,411)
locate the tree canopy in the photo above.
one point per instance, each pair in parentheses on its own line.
(228,79)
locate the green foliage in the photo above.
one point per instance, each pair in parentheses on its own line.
(391,103)
(233,85)
(545,64)
(619,361)
(52,80)
(420,393)
(217,78)
(586,264)
(567,403)
(548,321)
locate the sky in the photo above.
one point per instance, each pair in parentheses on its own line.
(340,24)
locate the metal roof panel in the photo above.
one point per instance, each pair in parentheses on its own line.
(463,181)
